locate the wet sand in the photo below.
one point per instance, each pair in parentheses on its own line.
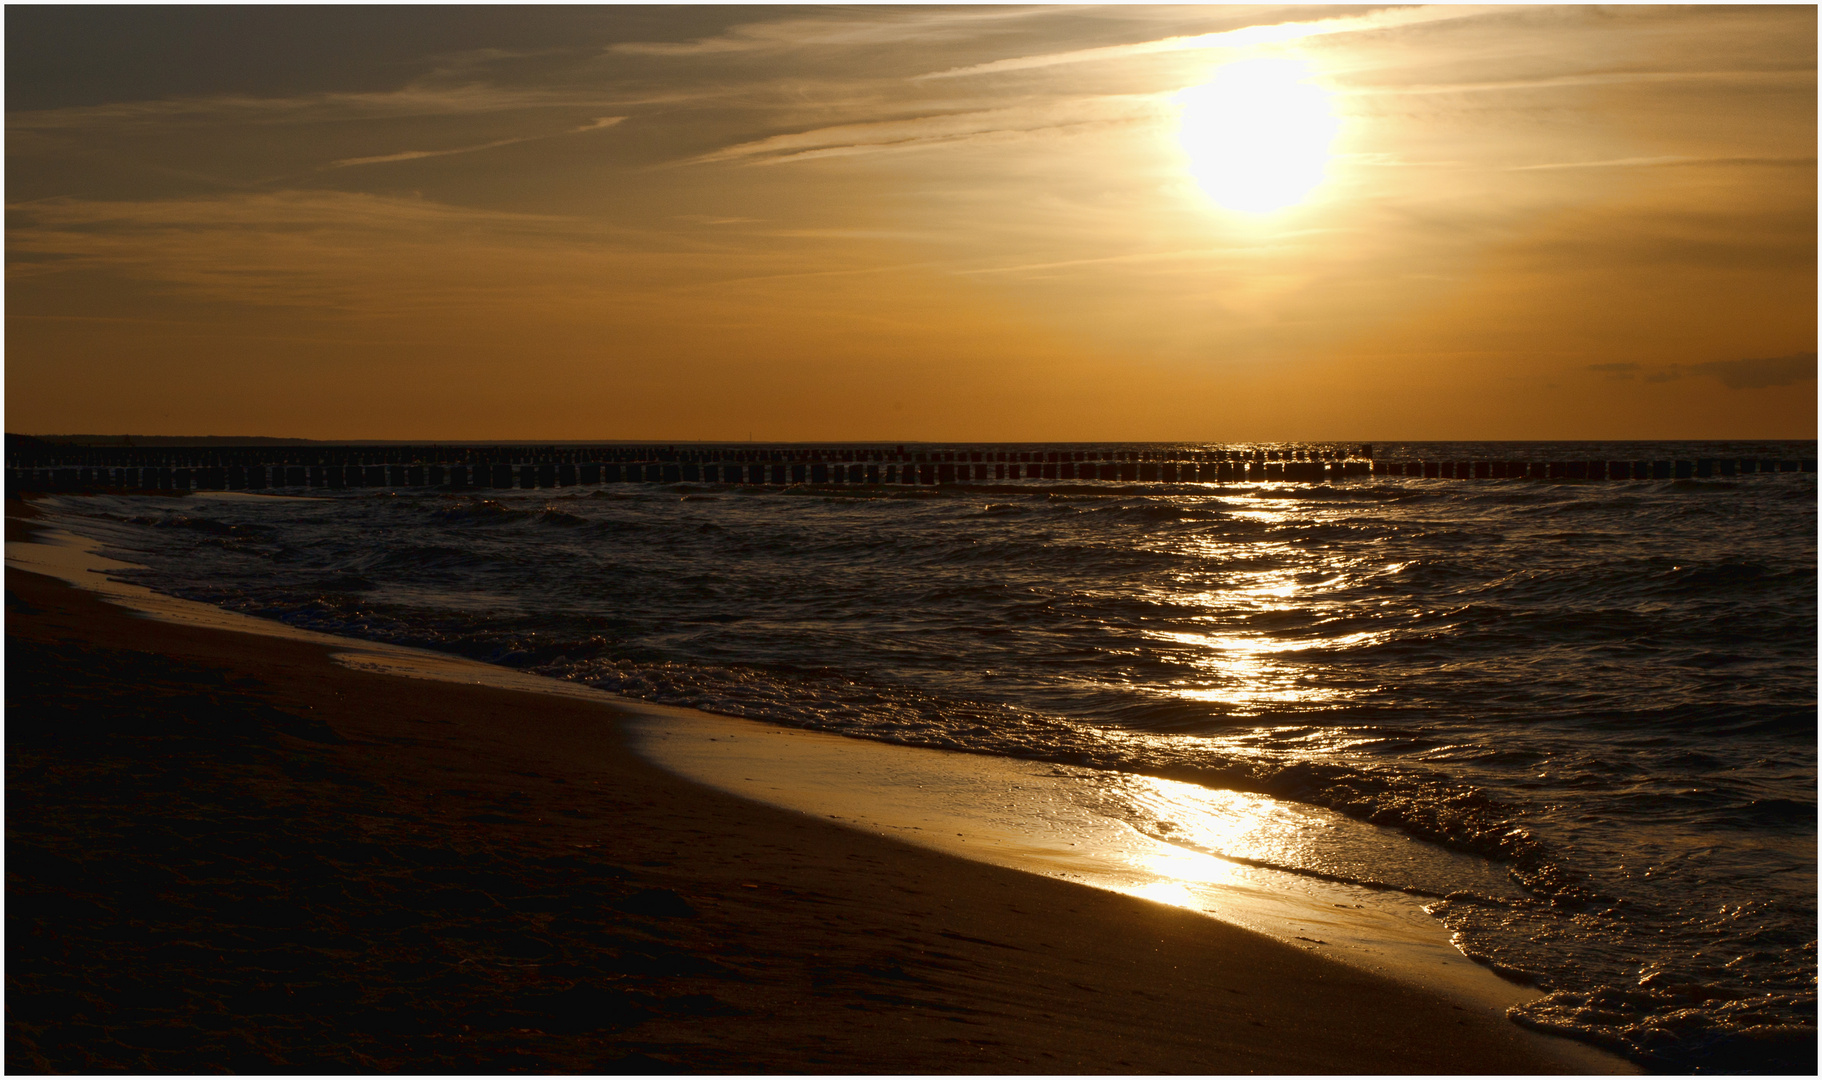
(226,852)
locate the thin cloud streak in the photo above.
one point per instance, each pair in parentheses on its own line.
(418,101)
(1270,34)
(1067,264)
(286,249)
(413,155)
(412,101)
(1752,374)
(341,253)
(1593,78)
(885,135)
(596,124)
(901,27)
(1761,373)
(288,210)
(1672,161)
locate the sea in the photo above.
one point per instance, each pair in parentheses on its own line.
(1607,689)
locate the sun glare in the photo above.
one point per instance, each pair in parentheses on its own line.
(1258,135)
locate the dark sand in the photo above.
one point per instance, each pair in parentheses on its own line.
(225,852)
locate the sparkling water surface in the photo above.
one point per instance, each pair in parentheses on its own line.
(1607,688)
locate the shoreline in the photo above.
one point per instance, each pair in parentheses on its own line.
(601,915)
(1037,817)
(1011,813)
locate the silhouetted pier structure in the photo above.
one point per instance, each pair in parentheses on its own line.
(52,467)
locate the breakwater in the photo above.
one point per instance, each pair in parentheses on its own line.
(59,468)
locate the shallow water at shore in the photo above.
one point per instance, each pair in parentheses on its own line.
(1604,692)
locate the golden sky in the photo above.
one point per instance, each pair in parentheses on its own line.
(911,223)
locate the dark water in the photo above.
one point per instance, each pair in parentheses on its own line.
(1607,687)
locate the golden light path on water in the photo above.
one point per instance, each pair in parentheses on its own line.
(1235,666)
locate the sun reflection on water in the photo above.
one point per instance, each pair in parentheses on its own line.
(1174,893)
(1254,640)
(1231,823)
(1202,837)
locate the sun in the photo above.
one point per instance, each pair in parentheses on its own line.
(1258,135)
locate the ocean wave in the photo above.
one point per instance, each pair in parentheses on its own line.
(1158,512)
(344,583)
(1762,812)
(412,558)
(1689,1027)
(479,512)
(1703,579)
(202,525)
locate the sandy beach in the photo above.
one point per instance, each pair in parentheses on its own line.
(226,852)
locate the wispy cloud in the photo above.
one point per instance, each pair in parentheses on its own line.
(879,26)
(356,253)
(1588,78)
(1662,162)
(1199,254)
(596,124)
(413,155)
(1268,34)
(292,249)
(1752,374)
(404,103)
(924,131)
(714,219)
(288,209)
(1761,373)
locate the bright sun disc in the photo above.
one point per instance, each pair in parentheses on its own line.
(1258,134)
